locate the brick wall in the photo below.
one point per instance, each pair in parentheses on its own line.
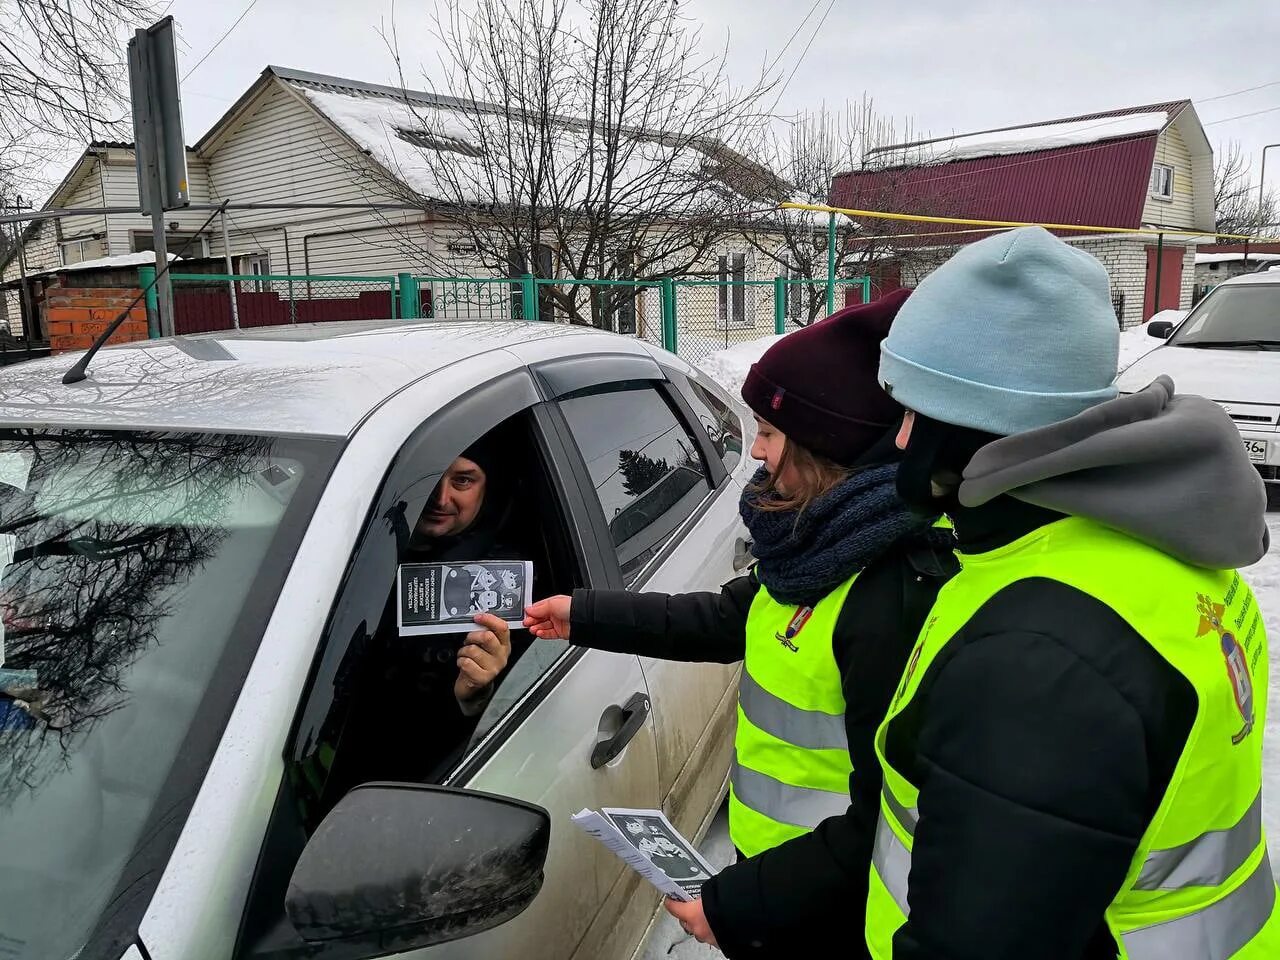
(1126,261)
(75,316)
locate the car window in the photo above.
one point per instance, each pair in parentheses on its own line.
(137,573)
(382,706)
(644,464)
(1239,314)
(719,421)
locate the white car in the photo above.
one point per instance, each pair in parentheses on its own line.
(201,540)
(1227,349)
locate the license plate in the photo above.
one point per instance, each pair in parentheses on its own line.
(1257,450)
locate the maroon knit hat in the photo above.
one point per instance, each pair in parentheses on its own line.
(820,385)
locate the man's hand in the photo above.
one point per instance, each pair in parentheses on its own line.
(693,920)
(483,656)
(549,619)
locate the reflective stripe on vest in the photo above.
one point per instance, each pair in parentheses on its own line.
(791,754)
(1200,885)
(1219,930)
(799,806)
(1209,860)
(810,729)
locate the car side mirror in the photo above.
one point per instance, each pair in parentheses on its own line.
(1161,329)
(398,867)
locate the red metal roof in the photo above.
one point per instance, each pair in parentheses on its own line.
(1097,184)
(1103,185)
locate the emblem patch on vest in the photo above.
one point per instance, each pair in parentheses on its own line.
(1237,665)
(797,623)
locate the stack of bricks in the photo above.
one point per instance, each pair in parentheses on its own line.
(75,316)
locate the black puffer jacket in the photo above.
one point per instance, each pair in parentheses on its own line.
(810,891)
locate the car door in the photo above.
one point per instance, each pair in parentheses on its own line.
(669,512)
(552,748)
(535,740)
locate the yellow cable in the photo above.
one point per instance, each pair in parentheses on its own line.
(1008,224)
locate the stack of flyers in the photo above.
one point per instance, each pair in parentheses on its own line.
(434,598)
(652,847)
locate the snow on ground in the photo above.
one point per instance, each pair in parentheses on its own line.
(1264,578)
(729,367)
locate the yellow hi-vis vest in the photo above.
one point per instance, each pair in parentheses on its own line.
(1200,885)
(791,766)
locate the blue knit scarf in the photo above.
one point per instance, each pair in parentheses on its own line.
(803,557)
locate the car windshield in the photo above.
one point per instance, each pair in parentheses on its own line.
(1245,315)
(137,571)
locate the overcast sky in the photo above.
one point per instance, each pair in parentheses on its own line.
(948,66)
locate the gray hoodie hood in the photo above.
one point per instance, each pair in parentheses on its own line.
(1168,470)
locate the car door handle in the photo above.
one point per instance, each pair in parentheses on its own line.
(626,721)
(742,557)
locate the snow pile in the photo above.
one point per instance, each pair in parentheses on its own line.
(1264,578)
(141,259)
(1136,343)
(1043,136)
(729,367)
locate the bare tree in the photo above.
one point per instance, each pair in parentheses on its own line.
(1235,196)
(815,148)
(590,139)
(62,70)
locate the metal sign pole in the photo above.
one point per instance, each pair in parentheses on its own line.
(158,145)
(231,284)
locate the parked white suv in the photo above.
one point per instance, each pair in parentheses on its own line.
(1227,349)
(197,549)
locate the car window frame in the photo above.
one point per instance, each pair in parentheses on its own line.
(711,461)
(437,440)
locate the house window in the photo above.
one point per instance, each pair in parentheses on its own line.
(732,290)
(255,265)
(1162,181)
(175,242)
(433,141)
(78,251)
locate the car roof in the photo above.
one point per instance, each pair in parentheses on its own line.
(317,379)
(1270,275)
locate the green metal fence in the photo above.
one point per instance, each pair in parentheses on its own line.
(689,316)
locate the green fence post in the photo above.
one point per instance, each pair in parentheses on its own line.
(147,280)
(866,289)
(669,314)
(410,297)
(779,305)
(529,297)
(831,264)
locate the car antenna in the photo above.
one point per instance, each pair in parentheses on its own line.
(80,370)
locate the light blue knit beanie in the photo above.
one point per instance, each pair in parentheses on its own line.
(1013,333)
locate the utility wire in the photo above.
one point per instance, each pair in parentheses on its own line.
(803,53)
(218,43)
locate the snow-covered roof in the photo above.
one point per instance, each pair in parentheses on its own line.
(1235,257)
(140,259)
(1025,139)
(450,133)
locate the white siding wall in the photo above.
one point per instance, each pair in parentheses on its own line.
(120,182)
(88,193)
(281,151)
(1180,211)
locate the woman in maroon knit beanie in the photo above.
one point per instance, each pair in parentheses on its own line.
(823,623)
